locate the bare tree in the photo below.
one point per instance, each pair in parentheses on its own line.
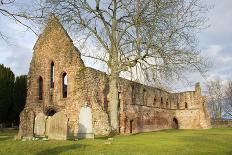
(215,98)
(11,10)
(228,96)
(152,37)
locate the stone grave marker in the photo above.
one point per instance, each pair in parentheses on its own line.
(57,126)
(40,124)
(26,128)
(85,129)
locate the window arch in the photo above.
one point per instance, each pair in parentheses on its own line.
(52,75)
(40,88)
(64,85)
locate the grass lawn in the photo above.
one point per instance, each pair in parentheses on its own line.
(186,142)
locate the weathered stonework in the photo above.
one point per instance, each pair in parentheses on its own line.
(141,109)
(57,127)
(26,128)
(40,124)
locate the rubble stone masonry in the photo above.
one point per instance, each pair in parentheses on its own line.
(58,81)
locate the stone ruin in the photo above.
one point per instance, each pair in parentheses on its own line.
(59,85)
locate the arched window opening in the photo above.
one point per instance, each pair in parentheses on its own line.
(52,75)
(65,85)
(119,100)
(186,105)
(162,102)
(154,101)
(40,91)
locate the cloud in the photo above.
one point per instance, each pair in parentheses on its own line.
(215,42)
(16,51)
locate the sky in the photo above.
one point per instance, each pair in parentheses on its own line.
(214,41)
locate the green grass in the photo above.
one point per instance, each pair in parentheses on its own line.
(186,142)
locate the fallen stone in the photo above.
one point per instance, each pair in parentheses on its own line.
(44,139)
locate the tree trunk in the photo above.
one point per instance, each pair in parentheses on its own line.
(114,76)
(113,98)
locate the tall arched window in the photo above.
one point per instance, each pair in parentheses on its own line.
(65,85)
(40,90)
(52,75)
(161,102)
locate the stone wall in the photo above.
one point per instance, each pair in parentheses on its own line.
(141,108)
(221,123)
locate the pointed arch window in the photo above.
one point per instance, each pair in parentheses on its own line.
(64,85)
(40,88)
(52,75)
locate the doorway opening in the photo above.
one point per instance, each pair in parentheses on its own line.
(175,124)
(131,126)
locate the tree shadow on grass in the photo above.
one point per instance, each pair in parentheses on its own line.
(60,149)
(102,137)
(3,138)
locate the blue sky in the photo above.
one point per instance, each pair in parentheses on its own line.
(215,42)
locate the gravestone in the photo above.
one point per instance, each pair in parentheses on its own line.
(57,126)
(40,124)
(47,125)
(26,128)
(85,129)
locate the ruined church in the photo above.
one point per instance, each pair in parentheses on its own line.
(67,99)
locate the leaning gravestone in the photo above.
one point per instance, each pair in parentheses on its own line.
(40,124)
(57,126)
(85,129)
(26,128)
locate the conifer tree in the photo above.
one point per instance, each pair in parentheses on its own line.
(7,79)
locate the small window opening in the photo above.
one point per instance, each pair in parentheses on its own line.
(186,105)
(119,100)
(40,88)
(154,101)
(65,85)
(52,75)
(162,102)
